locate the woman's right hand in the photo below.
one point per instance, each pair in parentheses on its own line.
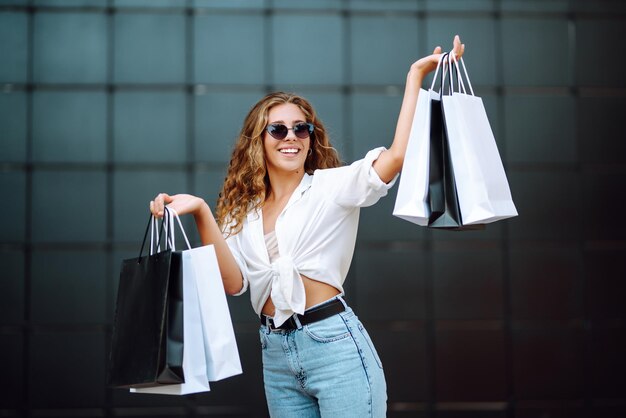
(181,203)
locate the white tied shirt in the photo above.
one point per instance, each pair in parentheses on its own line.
(316,234)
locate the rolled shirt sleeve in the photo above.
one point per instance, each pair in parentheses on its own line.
(358,184)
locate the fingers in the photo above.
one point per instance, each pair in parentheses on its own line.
(158,204)
(437,50)
(458,47)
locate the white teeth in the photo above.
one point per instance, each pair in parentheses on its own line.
(289,150)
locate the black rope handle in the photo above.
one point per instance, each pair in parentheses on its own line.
(442,83)
(165,221)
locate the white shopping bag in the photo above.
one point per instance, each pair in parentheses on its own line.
(209,351)
(411,204)
(412,198)
(482,187)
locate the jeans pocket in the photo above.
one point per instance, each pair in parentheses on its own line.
(327,330)
(367,338)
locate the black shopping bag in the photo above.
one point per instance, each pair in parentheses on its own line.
(445,212)
(147,340)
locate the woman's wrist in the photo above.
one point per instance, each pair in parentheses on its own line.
(415,78)
(203,210)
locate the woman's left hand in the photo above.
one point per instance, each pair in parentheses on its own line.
(427,64)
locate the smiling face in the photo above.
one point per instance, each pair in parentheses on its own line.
(285,156)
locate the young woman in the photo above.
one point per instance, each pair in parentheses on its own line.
(285,227)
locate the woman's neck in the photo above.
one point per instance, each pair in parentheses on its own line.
(283,185)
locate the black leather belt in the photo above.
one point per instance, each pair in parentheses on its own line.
(314,314)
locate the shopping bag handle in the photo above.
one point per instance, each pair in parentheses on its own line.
(171,233)
(458,72)
(439,65)
(151,221)
(446,71)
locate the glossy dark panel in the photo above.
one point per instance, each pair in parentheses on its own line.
(68,287)
(382,48)
(13,47)
(11,384)
(595,122)
(608,364)
(13,221)
(468,283)
(69,126)
(548,363)
(390,285)
(150,127)
(602,194)
(476,413)
(546,283)
(214,60)
(149,48)
(218,120)
(308,37)
(606,288)
(523,61)
(59,211)
(594,42)
(70,47)
(12,287)
(536,132)
(549,203)
(554,409)
(13,122)
(77,360)
(470,365)
(150,3)
(76,3)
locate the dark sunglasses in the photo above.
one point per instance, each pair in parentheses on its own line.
(279,131)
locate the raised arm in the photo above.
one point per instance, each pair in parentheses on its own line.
(209,233)
(389,163)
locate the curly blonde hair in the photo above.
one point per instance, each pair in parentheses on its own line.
(247,184)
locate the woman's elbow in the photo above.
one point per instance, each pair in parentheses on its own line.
(389,164)
(233,287)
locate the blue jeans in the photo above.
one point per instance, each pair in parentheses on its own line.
(329,368)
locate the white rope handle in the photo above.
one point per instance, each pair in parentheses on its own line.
(461,83)
(174,214)
(153,235)
(459,79)
(432,86)
(170,237)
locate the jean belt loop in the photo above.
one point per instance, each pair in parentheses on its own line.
(266,324)
(297,320)
(340,297)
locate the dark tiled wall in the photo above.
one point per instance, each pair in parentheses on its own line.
(104,103)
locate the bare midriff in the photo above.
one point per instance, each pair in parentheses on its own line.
(316,292)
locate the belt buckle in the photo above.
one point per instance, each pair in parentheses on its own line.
(269,322)
(289,324)
(272,327)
